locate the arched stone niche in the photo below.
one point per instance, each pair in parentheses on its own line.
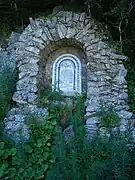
(53,57)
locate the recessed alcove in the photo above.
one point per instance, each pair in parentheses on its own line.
(65,55)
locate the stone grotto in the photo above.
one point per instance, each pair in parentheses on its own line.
(70,52)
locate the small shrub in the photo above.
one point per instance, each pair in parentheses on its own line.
(101,159)
(108,117)
(60,107)
(109,121)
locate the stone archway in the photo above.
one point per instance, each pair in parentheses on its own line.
(61,49)
(105,79)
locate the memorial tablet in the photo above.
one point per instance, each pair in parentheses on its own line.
(67,74)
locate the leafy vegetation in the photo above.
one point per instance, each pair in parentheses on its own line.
(7,88)
(108,117)
(5,31)
(47,155)
(64,108)
(102,159)
(34,158)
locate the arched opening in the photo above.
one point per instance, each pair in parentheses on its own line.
(53,61)
(66,75)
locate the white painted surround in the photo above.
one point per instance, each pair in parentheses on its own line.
(66,75)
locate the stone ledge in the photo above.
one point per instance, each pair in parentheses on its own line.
(15,125)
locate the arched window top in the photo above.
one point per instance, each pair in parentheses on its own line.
(67,74)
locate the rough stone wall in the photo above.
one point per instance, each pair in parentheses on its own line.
(15,121)
(7,55)
(106,84)
(105,70)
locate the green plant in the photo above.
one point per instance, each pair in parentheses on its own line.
(5,30)
(32,159)
(45,15)
(102,159)
(108,117)
(7,152)
(109,120)
(49,156)
(62,107)
(38,156)
(7,87)
(67,153)
(47,98)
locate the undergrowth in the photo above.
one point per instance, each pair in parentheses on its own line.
(32,159)
(102,159)
(7,87)
(5,31)
(62,107)
(48,155)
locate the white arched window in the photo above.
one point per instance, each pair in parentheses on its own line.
(67,74)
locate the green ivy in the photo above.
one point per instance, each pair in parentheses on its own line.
(34,158)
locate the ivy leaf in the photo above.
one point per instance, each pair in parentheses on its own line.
(31,172)
(12,172)
(1,173)
(40,161)
(39,143)
(28,148)
(54,122)
(21,170)
(45,167)
(2,145)
(48,144)
(46,149)
(15,161)
(7,153)
(45,155)
(4,166)
(53,160)
(13,151)
(47,137)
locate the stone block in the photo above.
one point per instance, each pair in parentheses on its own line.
(15,122)
(33,49)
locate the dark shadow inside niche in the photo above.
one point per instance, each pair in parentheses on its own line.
(51,52)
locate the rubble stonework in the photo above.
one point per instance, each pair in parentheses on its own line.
(7,54)
(104,73)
